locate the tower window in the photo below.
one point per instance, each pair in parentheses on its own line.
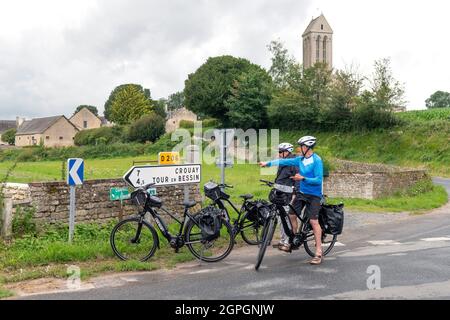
(325,49)
(318,49)
(321,27)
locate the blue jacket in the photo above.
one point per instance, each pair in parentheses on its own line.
(311,168)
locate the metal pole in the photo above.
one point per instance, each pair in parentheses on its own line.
(223,159)
(72,213)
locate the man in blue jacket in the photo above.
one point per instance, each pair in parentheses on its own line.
(309,188)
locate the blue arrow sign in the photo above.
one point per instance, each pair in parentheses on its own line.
(75,171)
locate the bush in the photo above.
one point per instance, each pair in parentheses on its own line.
(186,124)
(9,136)
(148,128)
(210,123)
(103,135)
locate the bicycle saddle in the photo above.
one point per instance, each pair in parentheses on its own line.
(246,196)
(189,204)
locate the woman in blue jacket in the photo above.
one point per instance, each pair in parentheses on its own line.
(309,189)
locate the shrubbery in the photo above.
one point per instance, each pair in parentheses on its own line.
(103,135)
(148,128)
(186,124)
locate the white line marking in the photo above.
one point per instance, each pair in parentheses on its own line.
(384,242)
(436,239)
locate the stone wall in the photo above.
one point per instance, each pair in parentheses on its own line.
(369,181)
(51,201)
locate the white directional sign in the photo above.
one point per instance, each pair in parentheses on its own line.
(139,176)
(75,171)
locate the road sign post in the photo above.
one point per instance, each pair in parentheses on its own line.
(75,176)
(224,137)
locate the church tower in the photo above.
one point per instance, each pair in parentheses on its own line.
(318,43)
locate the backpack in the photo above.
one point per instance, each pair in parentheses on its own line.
(210,221)
(331,218)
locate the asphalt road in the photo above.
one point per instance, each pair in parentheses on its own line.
(401,257)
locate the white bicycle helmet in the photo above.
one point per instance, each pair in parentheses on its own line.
(308,141)
(285,147)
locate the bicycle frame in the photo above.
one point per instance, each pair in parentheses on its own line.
(287,226)
(163,227)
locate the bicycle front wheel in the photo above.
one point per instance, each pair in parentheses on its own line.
(209,250)
(132,239)
(267,235)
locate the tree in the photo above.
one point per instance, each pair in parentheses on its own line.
(387,92)
(439,99)
(250,96)
(344,89)
(159,107)
(9,136)
(128,103)
(175,101)
(209,87)
(285,70)
(148,128)
(93,109)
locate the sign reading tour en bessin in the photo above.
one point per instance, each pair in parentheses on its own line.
(139,176)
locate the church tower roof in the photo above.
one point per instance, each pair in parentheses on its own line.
(319,24)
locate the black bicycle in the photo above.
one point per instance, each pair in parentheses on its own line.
(280,196)
(207,234)
(249,222)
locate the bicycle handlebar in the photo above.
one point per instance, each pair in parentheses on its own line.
(226,185)
(146,187)
(268,183)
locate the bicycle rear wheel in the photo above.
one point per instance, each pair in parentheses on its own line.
(132,239)
(267,235)
(328,242)
(251,231)
(209,250)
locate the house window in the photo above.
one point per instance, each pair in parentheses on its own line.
(85,124)
(47,138)
(60,138)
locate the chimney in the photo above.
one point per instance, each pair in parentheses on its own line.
(19,121)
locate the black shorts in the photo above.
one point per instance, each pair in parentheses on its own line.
(312,203)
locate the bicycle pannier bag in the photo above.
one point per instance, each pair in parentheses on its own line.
(212,191)
(210,222)
(331,218)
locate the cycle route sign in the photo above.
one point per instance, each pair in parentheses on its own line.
(139,176)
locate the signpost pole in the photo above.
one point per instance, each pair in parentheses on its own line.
(72,213)
(223,155)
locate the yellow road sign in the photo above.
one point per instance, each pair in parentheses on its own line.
(166,158)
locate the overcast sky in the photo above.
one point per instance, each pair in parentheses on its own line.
(58,54)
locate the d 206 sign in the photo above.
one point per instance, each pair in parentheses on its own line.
(139,176)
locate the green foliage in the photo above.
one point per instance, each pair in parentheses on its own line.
(175,101)
(103,135)
(148,128)
(159,107)
(285,71)
(210,86)
(128,103)
(210,123)
(9,136)
(23,222)
(250,96)
(93,109)
(186,124)
(425,115)
(439,99)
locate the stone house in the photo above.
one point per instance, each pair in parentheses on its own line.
(5,125)
(175,117)
(55,131)
(86,119)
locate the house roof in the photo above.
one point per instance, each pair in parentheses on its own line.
(6,125)
(39,125)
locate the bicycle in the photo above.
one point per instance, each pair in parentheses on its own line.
(135,238)
(248,223)
(279,198)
